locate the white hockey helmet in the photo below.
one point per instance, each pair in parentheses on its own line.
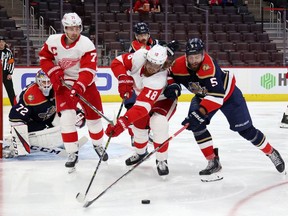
(43,82)
(157,55)
(71,19)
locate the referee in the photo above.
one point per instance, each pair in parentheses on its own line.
(7,60)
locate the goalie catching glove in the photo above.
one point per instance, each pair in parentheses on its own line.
(115,130)
(194,119)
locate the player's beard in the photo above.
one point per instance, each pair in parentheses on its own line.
(195,66)
(143,41)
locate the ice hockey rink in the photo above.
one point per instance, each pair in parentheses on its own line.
(39,185)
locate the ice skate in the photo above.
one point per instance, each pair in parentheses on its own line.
(277,160)
(284,121)
(162,167)
(212,171)
(100,150)
(135,158)
(71,162)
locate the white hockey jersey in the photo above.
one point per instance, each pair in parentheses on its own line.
(148,89)
(81,56)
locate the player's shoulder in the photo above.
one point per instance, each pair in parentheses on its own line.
(33,96)
(208,68)
(139,56)
(85,43)
(140,53)
(178,66)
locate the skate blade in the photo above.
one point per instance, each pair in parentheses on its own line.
(283,125)
(71,170)
(163,177)
(211,178)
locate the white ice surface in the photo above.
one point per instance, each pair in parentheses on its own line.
(39,185)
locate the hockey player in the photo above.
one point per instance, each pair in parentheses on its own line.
(144,72)
(72,57)
(143,40)
(34,119)
(215,90)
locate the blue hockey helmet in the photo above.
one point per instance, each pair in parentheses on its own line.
(141,28)
(194,46)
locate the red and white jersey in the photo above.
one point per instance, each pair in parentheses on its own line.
(77,58)
(132,64)
(148,89)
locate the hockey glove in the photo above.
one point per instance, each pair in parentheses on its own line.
(194,119)
(125,86)
(115,130)
(172,91)
(172,47)
(77,89)
(56,78)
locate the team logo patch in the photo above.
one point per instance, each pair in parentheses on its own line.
(66,63)
(31,97)
(196,88)
(205,67)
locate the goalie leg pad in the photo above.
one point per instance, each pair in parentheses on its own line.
(50,138)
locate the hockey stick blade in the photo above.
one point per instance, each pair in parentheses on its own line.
(88,203)
(80,197)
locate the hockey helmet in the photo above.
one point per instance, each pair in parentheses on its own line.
(194,46)
(43,82)
(157,55)
(71,19)
(141,28)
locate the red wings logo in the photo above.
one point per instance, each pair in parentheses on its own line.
(66,63)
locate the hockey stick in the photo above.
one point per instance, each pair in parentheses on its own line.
(88,203)
(84,100)
(80,197)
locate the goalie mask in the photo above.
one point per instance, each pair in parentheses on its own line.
(43,83)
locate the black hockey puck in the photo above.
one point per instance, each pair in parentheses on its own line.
(145,201)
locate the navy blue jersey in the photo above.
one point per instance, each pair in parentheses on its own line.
(210,83)
(215,90)
(34,109)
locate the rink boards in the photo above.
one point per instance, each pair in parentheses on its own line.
(257,84)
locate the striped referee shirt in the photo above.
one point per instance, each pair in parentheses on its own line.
(7,60)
